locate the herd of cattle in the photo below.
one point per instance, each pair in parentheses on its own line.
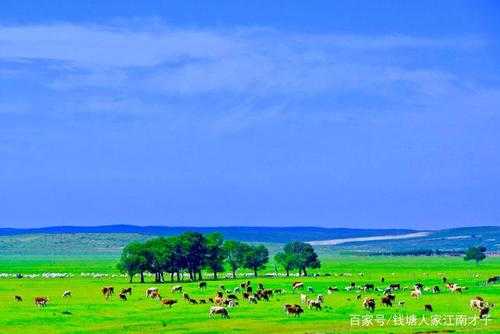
(225,299)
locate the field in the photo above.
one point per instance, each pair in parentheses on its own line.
(87,311)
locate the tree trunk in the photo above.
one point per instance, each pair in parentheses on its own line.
(142,276)
(255,272)
(130,278)
(234,273)
(305,272)
(199,276)
(287,272)
(172,276)
(215,274)
(178,276)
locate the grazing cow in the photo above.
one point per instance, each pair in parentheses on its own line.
(41,301)
(177,288)
(419,286)
(436,289)
(297,285)
(453,287)
(295,310)
(252,300)
(202,301)
(218,300)
(369,304)
(107,291)
(303,298)
(185,296)
(483,312)
(261,286)
(332,289)
(428,307)
(279,291)
(218,310)
(314,304)
(168,302)
(202,285)
(127,291)
(123,296)
(478,303)
(249,289)
(493,279)
(369,287)
(18,298)
(155,295)
(66,294)
(387,300)
(395,286)
(416,293)
(150,291)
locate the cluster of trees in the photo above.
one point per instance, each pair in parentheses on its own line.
(194,252)
(191,253)
(297,255)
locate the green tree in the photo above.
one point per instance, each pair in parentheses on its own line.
(235,254)
(194,246)
(256,258)
(302,256)
(476,254)
(287,261)
(215,253)
(133,260)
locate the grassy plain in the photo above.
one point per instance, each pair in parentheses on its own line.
(88,312)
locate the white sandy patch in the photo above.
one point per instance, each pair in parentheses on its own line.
(379,237)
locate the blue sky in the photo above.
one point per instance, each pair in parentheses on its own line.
(342,114)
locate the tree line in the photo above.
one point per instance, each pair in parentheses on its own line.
(193,252)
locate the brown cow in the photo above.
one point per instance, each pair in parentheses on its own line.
(296,310)
(155,295)
(483,313)
(107,291)
(369,304)
(218,310)
(18,298)
(169,302)
(387,300)
(122,296)
(428,307)
(127,291)
(41,301)
(297,285)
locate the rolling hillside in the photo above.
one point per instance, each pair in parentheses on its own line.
(107,241)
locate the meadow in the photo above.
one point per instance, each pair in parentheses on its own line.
(87,311)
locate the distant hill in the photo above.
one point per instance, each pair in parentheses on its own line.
(108,241)
(452,240)
(243,233)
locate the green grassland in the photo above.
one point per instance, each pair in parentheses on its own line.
(87,311)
